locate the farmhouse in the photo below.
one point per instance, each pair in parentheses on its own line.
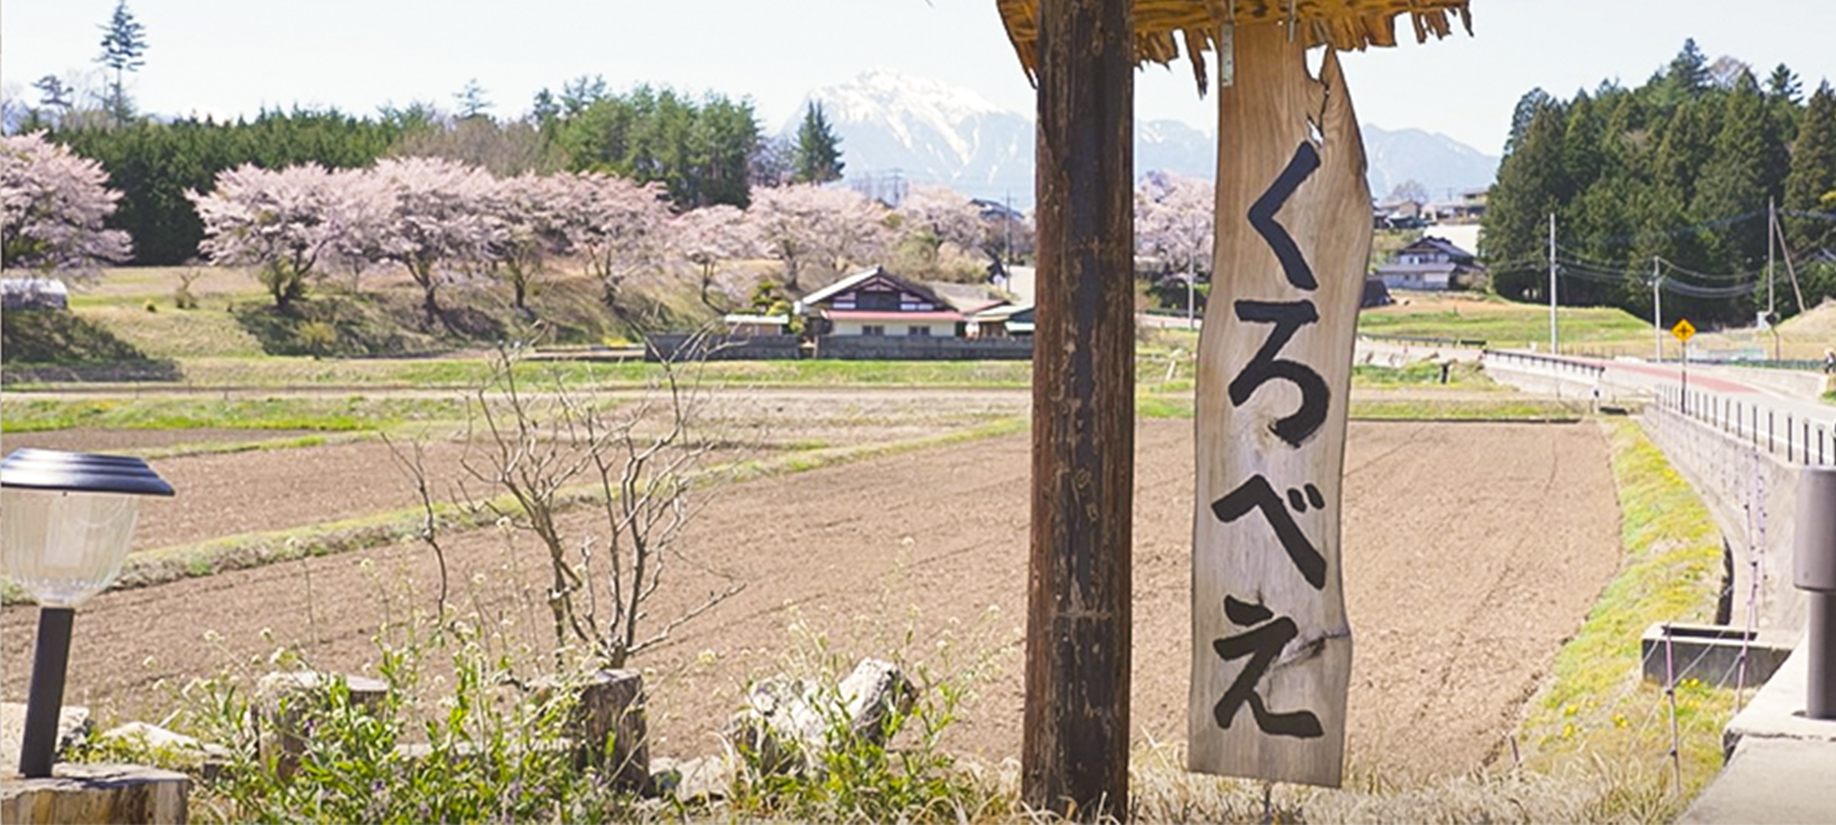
(1432,263)
(875,302)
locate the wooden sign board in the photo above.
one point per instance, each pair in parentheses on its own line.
(1684,330)
(1271,646)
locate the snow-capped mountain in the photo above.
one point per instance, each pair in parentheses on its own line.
(898,127)
(1441,164)
(927,132)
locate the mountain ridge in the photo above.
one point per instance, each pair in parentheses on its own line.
(896,129)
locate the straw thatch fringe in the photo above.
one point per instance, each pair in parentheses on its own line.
(1161,24)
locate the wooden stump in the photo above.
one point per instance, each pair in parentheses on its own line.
(96,793)
(1271,647)
(285,699)
(608,724)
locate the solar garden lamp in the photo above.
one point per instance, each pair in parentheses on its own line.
(65,522)
(1814,569)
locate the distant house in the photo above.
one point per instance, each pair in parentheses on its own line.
(1469,207)
(1402,214)
(1001,321)
(875,302)
(33,293)
(1434,264)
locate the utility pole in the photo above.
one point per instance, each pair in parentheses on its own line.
(1657,311)
(1007,223)
(1772,224)
(1075,740)
(1554,338)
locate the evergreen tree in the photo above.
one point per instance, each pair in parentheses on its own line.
(1746,167)
(124,42)
(1783,85)
(471,100)
(1686,147)
(818,157)
(1688,75)
(1530,181)
(1532,102)
(1811,184)
(53,93)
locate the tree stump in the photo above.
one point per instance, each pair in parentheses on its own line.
(608,723)
(96,793)
(283,700)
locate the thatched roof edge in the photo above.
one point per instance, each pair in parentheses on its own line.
(1161,26)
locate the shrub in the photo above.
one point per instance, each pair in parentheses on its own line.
(478,749)
(317,337)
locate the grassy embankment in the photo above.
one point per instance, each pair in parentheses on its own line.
(1498,322)
(1595,707)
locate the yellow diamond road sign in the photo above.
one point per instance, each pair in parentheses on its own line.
(1684,330)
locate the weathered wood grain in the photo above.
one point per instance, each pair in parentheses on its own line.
(1074,754)
(1293,232)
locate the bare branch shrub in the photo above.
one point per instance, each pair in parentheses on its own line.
(605,490)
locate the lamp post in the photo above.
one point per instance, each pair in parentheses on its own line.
(67,521)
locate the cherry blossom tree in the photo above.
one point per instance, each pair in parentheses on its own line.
(528,207)
(617,227)
(808,226)
(441,225)
(1173,222)
(364,206)
(279,221)
(707,238)
(52,208)
(931,216)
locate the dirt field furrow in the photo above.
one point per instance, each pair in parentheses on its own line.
(1471,552)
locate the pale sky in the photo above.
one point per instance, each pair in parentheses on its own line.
(230,57)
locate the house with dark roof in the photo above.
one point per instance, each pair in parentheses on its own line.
(1433,264)
(875,302)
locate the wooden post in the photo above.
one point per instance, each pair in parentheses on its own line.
(1074,758)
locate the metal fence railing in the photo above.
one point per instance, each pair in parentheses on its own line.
(1547,363)
(1793,437)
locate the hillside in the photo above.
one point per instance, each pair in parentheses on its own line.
(130,316)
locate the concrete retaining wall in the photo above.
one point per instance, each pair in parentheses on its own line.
(737,348)
(888,348)
(851,348)
(1753,496)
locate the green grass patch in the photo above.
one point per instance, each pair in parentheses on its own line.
(24,414)
(1502,323)
(175,333)
(1466,375)
(1595,704)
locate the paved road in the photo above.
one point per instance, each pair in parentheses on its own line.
(1779,413)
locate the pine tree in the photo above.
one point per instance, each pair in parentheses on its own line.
(1811,184)
(1783,85)
(1530,181)
(471,100)
(818,157)
(1747,167)
(1688,75)
(124,42)
(53,93)
(1532,102)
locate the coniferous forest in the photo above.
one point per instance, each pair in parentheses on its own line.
(1671,179)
